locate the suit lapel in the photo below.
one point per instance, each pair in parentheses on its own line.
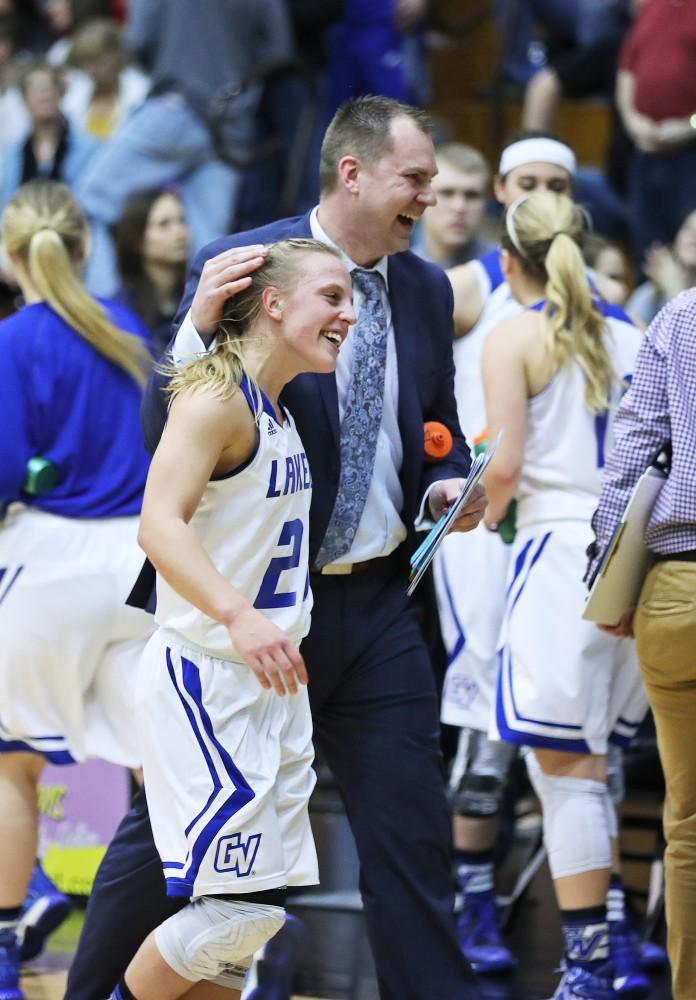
(403,298)
(329,394)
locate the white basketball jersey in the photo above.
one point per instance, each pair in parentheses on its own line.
(468,384)
(566,442)
(254,525)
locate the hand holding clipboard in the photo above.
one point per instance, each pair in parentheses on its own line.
(423,556)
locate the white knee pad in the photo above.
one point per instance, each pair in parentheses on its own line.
(214,939)
(576,821)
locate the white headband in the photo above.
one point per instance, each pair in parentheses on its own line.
(537,151)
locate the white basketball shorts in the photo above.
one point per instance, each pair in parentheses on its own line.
(563,684)
(69,646)
(470,571)
(228,773)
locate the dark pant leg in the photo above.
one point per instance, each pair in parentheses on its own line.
(128,901)
(376,721)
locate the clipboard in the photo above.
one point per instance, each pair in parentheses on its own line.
(618,579)
(423,556)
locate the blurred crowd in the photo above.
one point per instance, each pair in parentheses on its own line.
(98,94)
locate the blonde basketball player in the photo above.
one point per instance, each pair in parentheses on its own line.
(223,712)
(553,377)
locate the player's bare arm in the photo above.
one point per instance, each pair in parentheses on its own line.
(221,278)
(205,436)
(505,382)
(468,302)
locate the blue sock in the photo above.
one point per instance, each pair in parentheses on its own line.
(122,992)
(586,935)
(474,871)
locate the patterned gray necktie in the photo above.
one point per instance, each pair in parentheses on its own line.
(362,418)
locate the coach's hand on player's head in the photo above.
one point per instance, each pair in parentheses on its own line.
(275,660)
(221,278)
(446,492)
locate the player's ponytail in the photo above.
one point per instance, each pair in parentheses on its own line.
(45,230)
(544,231)
(238,339)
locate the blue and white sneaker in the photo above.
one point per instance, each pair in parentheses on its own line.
(579,983)
(275,970)
(479,935)
(45,908)
(630,982)
(9,966)
(652,955)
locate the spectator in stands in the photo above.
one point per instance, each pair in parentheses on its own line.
(106,90)
(659,409)
(14,117)
(62,17)
(54,149)
(374,50)
(152,243)
(582,71)
(611,271)
(656,96)
(448,231)
(294,110)
(192,52)
(669,270)
(564,25)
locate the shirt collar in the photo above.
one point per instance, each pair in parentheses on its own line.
(381,267)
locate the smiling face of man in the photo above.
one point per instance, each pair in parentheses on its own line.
(393,192)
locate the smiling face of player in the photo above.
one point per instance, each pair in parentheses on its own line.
(393,193)
(530,177)
(316,313)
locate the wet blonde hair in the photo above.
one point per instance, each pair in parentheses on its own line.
(544,231)
(221,370)
(44,228)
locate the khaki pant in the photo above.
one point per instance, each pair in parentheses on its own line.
(665,628)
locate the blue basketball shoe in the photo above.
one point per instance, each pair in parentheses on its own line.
(45,908)
(630,982)
(652,954)
(579,983)
(9,966)
(276,969)
(479,935)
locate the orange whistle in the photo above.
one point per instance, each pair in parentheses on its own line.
(438,441)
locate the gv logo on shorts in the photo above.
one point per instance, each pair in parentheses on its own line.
(233,855)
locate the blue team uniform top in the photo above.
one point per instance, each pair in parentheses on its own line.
(491,265)
(63,401)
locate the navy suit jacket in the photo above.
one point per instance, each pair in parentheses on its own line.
(421,301)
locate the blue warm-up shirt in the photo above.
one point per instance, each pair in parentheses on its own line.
(63,401)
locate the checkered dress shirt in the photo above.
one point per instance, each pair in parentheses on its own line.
(659,406)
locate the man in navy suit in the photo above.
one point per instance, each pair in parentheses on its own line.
(371,685)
